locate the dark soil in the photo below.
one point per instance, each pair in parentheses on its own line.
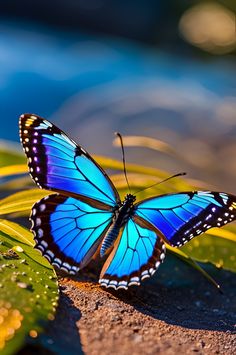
(175,311)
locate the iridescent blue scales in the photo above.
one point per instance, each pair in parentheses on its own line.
(84,216)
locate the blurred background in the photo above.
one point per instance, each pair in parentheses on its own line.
(163,70)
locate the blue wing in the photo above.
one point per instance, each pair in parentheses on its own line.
(136,255)
(182,216)
(59,164)
(68,231)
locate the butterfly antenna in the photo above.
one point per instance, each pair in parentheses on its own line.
(123,157)
(160,182)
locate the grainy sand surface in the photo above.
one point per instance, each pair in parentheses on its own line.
(184,314)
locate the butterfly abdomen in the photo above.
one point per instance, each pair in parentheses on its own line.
(109,239)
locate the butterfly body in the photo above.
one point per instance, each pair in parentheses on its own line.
(122,213)
(85,214)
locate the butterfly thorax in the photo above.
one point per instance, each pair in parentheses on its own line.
(121,215)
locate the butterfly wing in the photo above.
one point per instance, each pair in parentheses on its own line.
(68,231)
(137,253)
(182,216)
(59,164)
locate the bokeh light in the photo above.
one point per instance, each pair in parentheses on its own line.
(210,27)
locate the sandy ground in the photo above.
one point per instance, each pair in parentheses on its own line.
(175,311)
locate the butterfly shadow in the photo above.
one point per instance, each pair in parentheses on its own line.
(178,295)
(62,335)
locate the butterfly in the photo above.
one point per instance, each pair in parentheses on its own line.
(85,215)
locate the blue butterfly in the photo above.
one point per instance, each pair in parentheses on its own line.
(85,214)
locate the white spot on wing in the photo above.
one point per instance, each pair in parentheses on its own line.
(38,221)
(44,244)
(42,207)
(40,233)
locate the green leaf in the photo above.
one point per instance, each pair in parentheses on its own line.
(187,259)
(13,170)
(29,290)
(224,233)
(17,232)
(21,201)
(10,154)
(218,250)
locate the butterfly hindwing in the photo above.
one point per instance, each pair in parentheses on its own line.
(68,231)
(57,163)
(136,255)
(182,216)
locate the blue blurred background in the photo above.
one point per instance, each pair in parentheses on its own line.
(165,70)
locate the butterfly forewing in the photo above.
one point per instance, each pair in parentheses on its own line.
(57,163)
(182,216)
